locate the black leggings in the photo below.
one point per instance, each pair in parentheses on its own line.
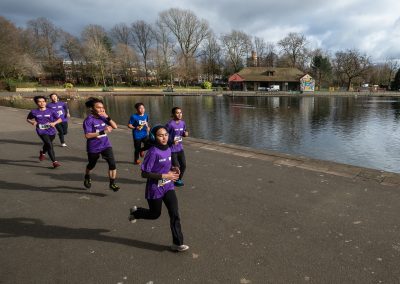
(178,160)
(48,145)
(137,143)
(154,211)
(62,129)
(107,155)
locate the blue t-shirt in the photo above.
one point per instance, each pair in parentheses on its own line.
(139,120)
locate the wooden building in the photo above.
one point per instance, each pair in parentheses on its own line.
(261,78)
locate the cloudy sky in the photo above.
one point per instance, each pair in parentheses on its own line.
(371,26)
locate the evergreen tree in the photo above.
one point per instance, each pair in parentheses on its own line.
(396,81)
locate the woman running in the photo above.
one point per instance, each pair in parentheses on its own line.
(160,176)
(96,127)
(45,120)
(176,128)
(62,109)
(139,123)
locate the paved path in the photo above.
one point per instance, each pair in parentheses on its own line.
(248,216)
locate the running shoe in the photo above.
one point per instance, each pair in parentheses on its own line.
(179,182)
(63,145)
(114,187)
(179,248)
(42,156)
(56,164)
(131,217)
(141,154)
(137,162)
(87,182)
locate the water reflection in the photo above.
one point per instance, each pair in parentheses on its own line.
(361,131)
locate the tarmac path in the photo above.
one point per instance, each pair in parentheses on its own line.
(248,217)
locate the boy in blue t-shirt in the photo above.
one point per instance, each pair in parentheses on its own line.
(139,123)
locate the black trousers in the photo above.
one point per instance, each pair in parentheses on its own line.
(48,145)
(178,160)
(137,143)
(62,129)
(154,211)
(107,155)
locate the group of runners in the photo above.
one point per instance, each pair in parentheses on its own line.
(160,147)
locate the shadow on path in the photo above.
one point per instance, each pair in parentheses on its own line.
(80,177)
(29,227)
(33,164)
(4,185)
(22,142)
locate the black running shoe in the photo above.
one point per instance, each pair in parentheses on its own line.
(114,187)
(87,183)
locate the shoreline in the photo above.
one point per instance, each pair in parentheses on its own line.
(83,93)
(283,159)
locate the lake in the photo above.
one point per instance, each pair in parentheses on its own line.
(362,131)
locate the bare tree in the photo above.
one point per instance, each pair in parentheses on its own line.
(46,36)
(237,47)
(164,55)
(392,65)
(9,49)
(143,39)
(121,33)
(211,58)
(97,51)
(294,48)
(189,32)
(351,64)
(73,50)
(127,62)
(260,47)
(271,55)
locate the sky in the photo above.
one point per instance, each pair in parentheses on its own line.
(371,26)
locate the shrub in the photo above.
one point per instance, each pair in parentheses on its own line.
(68,85)
(206,85)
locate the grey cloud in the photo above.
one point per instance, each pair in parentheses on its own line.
(345,21)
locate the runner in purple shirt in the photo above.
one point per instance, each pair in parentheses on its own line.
(62,109)
(177,130)
(45,121)
(160,175)
(96,126)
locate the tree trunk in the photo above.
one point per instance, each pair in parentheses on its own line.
(349,84)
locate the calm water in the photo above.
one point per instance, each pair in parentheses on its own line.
(362,131)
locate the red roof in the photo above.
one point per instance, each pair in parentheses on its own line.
(236,78)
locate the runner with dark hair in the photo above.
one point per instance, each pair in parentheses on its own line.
(96,127)
(62,109)
(177,130)
(139,123)
(45,120)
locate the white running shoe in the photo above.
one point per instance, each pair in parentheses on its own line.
(131,217)
(179,248)
(63,145)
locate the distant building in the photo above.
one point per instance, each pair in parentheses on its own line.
(263,78)
(307,83)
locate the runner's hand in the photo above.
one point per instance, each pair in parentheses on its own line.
(171,176)
(108,129)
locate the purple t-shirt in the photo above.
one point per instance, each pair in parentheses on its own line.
(91,125)
(43,118)
(61,108)
(176,131)
(157,161)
